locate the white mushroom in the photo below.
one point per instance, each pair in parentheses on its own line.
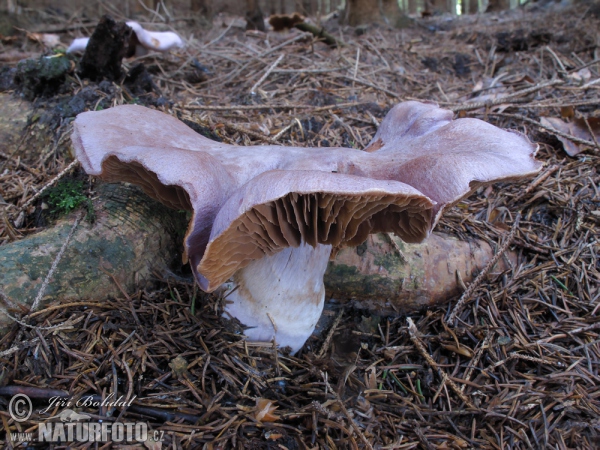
(78,45)
(159,41)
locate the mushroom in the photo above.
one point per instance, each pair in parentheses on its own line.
(78,45)
(142,41)
(159,41)
(266,219)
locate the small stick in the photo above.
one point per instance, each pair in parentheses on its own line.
(514,355)
(347,414)
(467,294)
(503,99)
(218,38)
(267,73)
(589,127)
(562,68)
(129,388)
(567,103)
(590,83)
(152,11)
(591,63)
(33,392)
(254,134)
(319,33)
(356,65)
(61,174)
(535,183)
(262,107)
(412,330)
(591,327)
(327,341)
(272,322)
(403,257)
(283,130)
(59,256)
(488,338)
(66,325)
(371,85)
(16,348)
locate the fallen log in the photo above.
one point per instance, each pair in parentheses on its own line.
(134,238)
(388,276)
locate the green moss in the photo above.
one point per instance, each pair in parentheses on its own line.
(42,76)
(348,279)
(67,196)
(390,262)
(34,256)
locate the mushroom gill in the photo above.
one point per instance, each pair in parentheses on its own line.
(280,209)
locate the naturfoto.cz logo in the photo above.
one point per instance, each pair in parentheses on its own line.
(92,432)
(77,427)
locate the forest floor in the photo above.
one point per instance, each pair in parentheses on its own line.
(519,369)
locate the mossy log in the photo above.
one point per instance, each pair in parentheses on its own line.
(132,238)
(388,276)
(135,237)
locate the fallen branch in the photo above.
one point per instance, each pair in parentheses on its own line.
(505,98)
(319,33)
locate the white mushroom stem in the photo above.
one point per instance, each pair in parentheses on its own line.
(280,297)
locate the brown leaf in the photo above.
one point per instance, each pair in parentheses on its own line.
(390,352)
(372,378)
(567,112)
(273,435)
(576,128)
(264,410)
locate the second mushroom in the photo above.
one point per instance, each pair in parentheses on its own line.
(266,219)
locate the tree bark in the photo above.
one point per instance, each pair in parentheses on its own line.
(132,238)
(201,7)
(360,12)
(470,6)
(412,6)
(254,16)
(440,6)
(497,5)
(319,33)
(135,237)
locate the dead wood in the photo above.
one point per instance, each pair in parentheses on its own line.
(319,33)
(132,239)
